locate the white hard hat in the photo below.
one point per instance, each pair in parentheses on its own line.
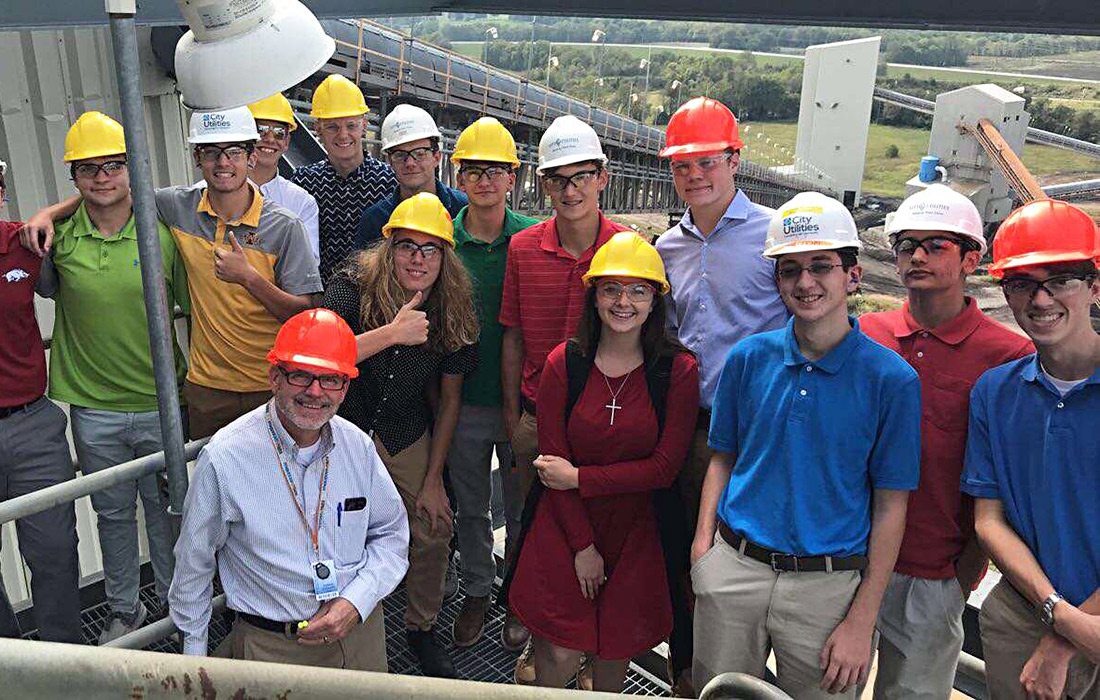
(568,140)
(222,126)
(407,123)
(811,221)
(938,208)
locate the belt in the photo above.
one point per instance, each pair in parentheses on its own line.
(703,421)
(780,562)
(287,629)
(6,411)
(528,405)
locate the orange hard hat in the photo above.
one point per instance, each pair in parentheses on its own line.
(701,125)
(1044,232)
(317,340)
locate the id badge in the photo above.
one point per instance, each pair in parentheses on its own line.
(324,579)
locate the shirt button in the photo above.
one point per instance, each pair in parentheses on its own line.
(809,368)
(920,354)
(803,392)
(1061,404)
(924,335)
(390,377)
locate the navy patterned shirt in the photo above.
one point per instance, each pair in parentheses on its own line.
(341,201)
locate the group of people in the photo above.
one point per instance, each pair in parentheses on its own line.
(697,442)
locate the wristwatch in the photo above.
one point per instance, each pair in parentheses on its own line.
(1046,614)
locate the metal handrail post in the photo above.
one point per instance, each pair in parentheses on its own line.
(741,686)
(158,315)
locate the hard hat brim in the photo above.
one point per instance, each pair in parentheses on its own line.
(415,136)
(570,160)
(590,280)
(1040,257)
(807,246)
(388,229)
(692,149)
(88,155)
(940,226)
(457,159)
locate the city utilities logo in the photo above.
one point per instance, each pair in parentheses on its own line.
(16,275)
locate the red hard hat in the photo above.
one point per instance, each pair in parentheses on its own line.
(316,339)
(1043,232)
(701,125)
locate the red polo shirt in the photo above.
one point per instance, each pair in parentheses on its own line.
(23,362)
(544,293)
(949,360)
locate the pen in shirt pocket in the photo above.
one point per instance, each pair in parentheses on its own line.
(339,512)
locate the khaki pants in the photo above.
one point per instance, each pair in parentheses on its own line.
(1010,632)
(210,410)
(428,552)
(744,610)
(920,637)
(517,483)
(364,649)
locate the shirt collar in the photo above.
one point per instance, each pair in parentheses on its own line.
(83,226)
(952,332)
(290,448)
(1032,371)
(251,216)
(552,244)
(833,361)
(512,225)
(738,210)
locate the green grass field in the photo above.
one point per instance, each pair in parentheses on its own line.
(886,176)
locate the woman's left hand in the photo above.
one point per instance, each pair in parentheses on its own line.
(432,502)
(557,473)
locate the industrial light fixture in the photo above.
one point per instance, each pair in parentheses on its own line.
(241,52)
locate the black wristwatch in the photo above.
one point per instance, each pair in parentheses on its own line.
(1046,613)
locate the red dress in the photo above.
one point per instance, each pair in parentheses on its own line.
(620,467)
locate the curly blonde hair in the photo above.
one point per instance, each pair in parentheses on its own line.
(452,318)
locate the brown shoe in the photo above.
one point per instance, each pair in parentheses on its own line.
(514,636)
(584,672)
(525,667)
(470,621)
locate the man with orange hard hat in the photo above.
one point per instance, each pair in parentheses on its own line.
(723,290)
(293,508)
(1031,462)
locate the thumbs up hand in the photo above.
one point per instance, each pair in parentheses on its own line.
(410,325)
(231,265)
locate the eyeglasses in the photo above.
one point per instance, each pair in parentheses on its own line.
(328,382)
(558,183)
(683,167)
(472,174)
(90,171)
(933,245)
(637,293)
(819,270)
(417,154)
(279,132)
(212,154)
(407,249)
(1059,286)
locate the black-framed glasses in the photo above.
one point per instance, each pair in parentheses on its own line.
(637,293)
(1058,286)
(399,157)
(819,270)
(90,171)
(706,164)
(212,154)
(407,249)
(472,174)
(303,379)
(933,245)
(279,132)
(558,183)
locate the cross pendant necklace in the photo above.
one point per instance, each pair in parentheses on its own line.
(614,405)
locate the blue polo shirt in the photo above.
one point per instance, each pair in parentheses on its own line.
(1038,452)
(812,440)
(375,216)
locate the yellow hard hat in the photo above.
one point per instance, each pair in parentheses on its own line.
(422,212)
(486,140)
(627,255)
(275,108)
(93,135)
(337,97)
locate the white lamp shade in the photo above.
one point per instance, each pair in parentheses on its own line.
(283,49)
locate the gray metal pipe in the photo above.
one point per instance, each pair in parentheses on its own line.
(49,670)
(151,634)
(742,686)
(128,68)
(67,491)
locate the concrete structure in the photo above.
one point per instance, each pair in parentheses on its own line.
(969,169)
(838,84)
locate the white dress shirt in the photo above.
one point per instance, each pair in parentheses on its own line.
(300,203)
(239,518)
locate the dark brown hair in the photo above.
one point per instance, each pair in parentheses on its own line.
(657,342)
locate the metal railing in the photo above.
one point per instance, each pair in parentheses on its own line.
(742,686)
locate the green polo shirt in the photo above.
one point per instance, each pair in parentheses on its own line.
(485,262)
(100,356)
